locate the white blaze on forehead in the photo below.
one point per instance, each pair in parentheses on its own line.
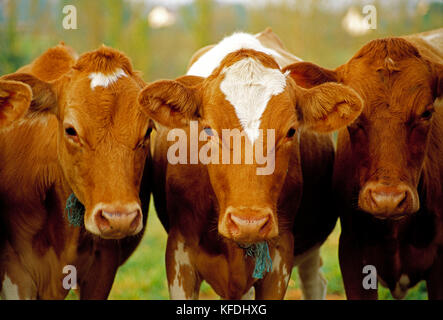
(209,61)
(99,79)
(248,86)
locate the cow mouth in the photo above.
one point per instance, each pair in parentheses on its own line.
(386,216)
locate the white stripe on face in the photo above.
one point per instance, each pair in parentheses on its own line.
(209,61)
(99,79)
(248,86)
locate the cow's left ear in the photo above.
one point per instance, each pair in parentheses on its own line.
(327,107)
(44,94)
(15,98)
(308,75)
(438,86)
(172,103)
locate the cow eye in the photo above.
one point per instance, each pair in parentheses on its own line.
(208,131)
(427,115)
(71,132)
(291,133)
(148,133)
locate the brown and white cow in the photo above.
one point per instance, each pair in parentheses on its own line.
(15,98)
(389,166)
(214,213)
(84,134)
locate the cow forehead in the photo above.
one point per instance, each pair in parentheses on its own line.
(105,109)
(101,79)
(401,86)
(248,86)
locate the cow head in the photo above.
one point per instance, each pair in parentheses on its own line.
(102,137)
(15,98)
(249,96)
(390,139)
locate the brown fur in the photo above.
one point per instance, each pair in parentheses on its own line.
(15,98)
(40,167)
(191,200)
(396,144)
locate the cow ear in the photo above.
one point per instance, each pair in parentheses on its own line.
(328,107)
(439,82)
(44,97)
(15,98)
(308,75)
(172,103)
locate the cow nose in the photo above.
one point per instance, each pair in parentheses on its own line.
(249,225)
(388,201)
(117,223)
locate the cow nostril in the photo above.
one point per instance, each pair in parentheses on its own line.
(232,225)
(135,220)
(387,199)
(266,227)
(102,220)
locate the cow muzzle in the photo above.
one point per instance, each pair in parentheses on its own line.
(388,201)
(116,222)
(248,225)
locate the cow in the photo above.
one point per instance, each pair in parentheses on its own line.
(15,98)
(388,173)
(71,176)
(239,225)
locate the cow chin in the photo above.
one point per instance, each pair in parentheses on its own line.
(389,201)
(248,225)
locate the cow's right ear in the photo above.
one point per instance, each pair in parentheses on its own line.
(44,97)
(308,75)
(15,98)
(172,103)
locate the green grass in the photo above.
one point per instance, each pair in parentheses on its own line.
(143,276)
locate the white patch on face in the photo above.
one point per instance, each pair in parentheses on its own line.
(99,79)
(249,86)
(9,289)
(209,61)
(181,258)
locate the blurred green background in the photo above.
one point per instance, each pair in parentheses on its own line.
(160,37)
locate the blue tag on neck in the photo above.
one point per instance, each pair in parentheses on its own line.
(263,263)
(75,211)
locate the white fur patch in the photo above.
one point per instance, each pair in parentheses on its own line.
(313,283)
(282,270)
(9,289)
(99,79)
(181,258)
(431,37)
(211,59)
(248,86)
